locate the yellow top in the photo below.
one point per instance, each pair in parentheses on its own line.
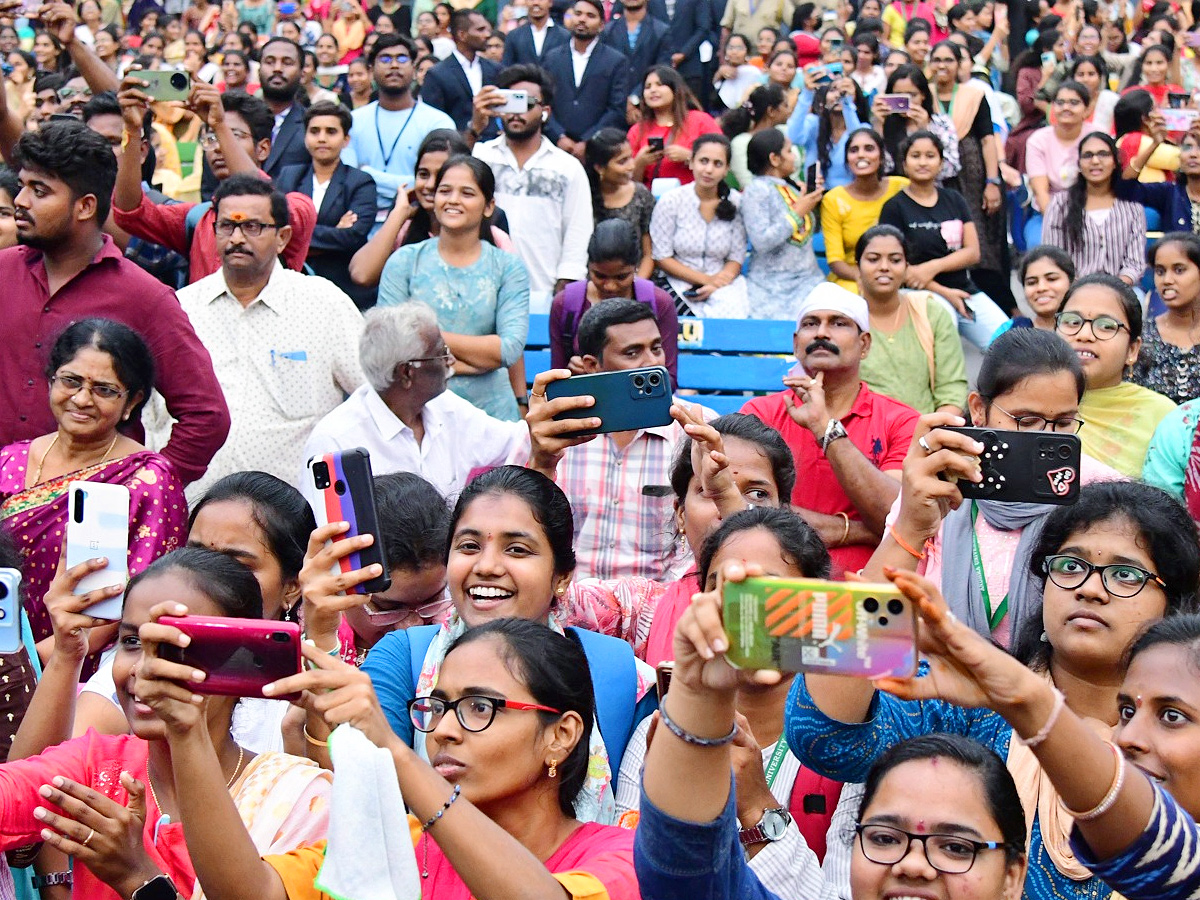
(844,220)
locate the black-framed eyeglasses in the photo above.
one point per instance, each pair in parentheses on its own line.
(1104,328)
(1119,579)
(950,854)
(1034,422)
(73,384)
(474,712)
(251,229)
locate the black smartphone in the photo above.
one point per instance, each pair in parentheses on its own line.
(657,144)
(341,489)
(626,400)
(1025,466)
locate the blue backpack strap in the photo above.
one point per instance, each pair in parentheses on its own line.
(614,680)
(419,639)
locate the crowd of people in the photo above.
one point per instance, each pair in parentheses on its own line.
(245,235)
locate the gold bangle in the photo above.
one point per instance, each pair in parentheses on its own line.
(312,740)
(846,533)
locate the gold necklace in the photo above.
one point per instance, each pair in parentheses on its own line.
(890,335)
(228,784)
(37,476)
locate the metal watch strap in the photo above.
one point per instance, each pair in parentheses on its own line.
(756,834)
(52,878)
(833,431)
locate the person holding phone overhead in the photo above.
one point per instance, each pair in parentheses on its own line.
(100,373)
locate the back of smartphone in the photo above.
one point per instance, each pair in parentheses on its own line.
(626,400)
(237,656)
(98,525)
(341,489)
(10,610)
(1025,466)
(824,627)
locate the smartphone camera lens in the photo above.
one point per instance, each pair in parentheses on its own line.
(654,379)
(280,637)
(883,620)
(895,607)
(3,596)
(78,513)
(321,475)
(339,487)
(871,605)
(179,81)
(639,381)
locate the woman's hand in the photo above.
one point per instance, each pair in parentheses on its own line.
(325,587)
(701,643)
(709,461)
(71,623)
(1155,126)
(339,694)
(955,297)
(134,102)
(918,118)
(677,153)
(812,77)
(992,198)
(703,292)
(97,831)
(808,200)
(964,668)
(647,156)
(722,279)
(879,110)
(920,275)
(925,496)
(162,684)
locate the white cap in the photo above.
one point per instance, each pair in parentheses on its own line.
(830,296)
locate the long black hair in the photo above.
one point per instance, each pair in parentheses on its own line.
(440,140)
(1020,353)
(895,128)
(1077,192)
(1166,48)
(825,119)
(599,151)
(801,545)
(1130,112)
(745,117)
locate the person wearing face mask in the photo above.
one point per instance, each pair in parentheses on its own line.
(848,439)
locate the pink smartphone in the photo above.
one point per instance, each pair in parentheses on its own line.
(238,656)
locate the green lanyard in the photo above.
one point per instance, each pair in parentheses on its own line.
(995,616)
(781,749)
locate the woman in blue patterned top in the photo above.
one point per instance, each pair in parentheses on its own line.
(1134,800)
(480,293)
(1144,546)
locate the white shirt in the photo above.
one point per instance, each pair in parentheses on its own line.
(283,362)
(549,208)
(279,117)
(539,36)
(319,190)
(472,69)
(459,438)
(786,866)
(579,60)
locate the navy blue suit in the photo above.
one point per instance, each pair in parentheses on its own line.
(331,248)
(446,88)
(598,102)
(519,48)
(651,49)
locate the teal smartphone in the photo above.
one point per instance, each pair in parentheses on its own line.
(166,84)
(626,400)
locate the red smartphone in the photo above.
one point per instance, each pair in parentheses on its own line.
(238,656)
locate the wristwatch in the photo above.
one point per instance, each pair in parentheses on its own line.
(158,888)
(833,431)
(770,827)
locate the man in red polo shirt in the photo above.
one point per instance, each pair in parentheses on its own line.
(849,442)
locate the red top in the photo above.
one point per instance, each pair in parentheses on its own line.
(1157,91)
(808,49)
(880,427)
(166,224)
(660,644)
(110,287)
(696,124)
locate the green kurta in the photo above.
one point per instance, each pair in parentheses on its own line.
(898,367)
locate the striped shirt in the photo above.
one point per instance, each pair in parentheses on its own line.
(1114,243)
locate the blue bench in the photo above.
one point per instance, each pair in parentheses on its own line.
(726,360)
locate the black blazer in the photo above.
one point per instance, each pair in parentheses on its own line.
(519,46)
(446,88)
(598,102)
(651,49)
(691,27)
(656,8)
(287,148)
(329,252)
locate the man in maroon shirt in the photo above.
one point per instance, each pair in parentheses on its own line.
(849,442)
(68,269)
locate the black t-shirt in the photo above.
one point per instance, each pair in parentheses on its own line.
(932,231)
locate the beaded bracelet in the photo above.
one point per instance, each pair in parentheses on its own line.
(688,738)
(445,806)
(1059,702)
(1109,799)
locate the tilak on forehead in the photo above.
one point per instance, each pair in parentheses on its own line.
(238,217)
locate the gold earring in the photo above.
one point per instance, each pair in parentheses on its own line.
(553,773)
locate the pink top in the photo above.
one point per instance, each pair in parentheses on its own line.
(660,646)
(1046,155)
(696,124)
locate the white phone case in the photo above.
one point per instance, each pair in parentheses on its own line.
(98,525)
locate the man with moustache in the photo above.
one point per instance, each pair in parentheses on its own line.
(284,345)
(387,132)
(280,65)
(591,81)
(849,441)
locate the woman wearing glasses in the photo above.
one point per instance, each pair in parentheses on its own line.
(1143,547)
(979,551)
(493,817)
(100,374)
(1101,318)
(1100,232)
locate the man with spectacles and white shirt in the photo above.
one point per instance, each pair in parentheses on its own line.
(284,345)
(404,416)
(236,139)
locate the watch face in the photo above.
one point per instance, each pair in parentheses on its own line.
(774,824)
(160,888)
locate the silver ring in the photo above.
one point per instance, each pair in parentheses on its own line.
(91,834)
(924,446)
